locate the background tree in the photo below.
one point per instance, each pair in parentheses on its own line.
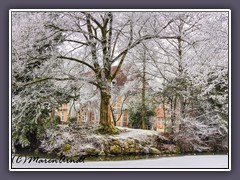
(33,98)
(186,67)
(135,113)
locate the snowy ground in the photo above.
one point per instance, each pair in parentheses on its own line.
(136,133)
(198,161)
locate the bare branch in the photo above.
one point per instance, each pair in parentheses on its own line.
(79,61)
(42,80)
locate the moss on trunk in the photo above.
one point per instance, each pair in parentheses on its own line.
(106,125)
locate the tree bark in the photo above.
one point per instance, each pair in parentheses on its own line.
(174,115)
(144,91)
(52,115)
(106,124)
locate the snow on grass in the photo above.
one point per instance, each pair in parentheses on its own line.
(141,134)
(82,140)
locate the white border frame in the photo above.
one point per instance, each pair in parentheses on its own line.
(118,10)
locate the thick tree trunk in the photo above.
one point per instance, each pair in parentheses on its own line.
(106,124)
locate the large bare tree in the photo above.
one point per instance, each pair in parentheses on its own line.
(104,39)
(87,45)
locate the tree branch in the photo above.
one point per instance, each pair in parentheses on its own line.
(42,80)
(75,41)
(79,61)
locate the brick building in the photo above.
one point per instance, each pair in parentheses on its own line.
(88,113)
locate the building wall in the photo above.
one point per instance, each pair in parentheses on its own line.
(84,115)
(161,117)
(123,121)
(90,114)
(63,113)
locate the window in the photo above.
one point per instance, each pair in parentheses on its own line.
(162,121)
(62,118)
(84,117)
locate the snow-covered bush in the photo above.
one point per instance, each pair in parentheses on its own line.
(204,133)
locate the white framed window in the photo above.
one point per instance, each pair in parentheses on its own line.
(84,118)
(162,121)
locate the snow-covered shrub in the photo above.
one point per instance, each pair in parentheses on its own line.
(204,133)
